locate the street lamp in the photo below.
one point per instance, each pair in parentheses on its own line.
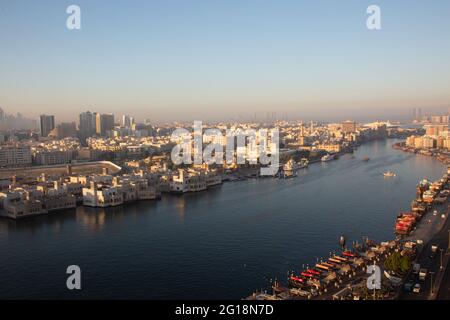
(431,280)
(441,267)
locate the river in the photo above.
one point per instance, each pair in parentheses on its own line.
(222,243)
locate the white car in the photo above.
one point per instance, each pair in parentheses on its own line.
(416,288)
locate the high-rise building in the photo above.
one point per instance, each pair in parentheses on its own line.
(47,124)
(436,129)
(64,130)
(87,124)
(440,119)
(104,123)
(127,121)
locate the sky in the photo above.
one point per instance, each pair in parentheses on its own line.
(225,59)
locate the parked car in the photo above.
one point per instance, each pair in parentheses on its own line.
(423,274)
(408,286)
(416,288)
(434,249)
(415,268)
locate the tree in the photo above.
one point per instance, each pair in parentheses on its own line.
(397,263)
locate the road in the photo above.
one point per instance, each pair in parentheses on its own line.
(444,291)
(433,229)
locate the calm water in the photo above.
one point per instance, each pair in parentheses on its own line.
(223,243)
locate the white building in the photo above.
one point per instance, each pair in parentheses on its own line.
(17,204)
(191,181)
(101,196)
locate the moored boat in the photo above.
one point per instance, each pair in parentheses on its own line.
(327,158)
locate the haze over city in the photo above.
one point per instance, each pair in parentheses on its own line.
(223,60)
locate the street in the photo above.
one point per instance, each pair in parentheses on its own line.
(430,224)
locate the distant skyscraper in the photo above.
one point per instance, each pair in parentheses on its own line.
(87,124)
(47,124)
(104,123)
(127,121)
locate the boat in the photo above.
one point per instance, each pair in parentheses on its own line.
(290,165)
(290,169)
(315,272)
(303,163)
(327,158)
(323,267)
(349,254)
(366,158)
(389,174)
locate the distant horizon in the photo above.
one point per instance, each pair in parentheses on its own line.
(401,116)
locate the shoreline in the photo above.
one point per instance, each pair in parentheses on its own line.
(294,290)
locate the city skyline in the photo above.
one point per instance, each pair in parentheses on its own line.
(225,60)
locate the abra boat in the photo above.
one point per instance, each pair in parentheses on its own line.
(389,174)
(327,158)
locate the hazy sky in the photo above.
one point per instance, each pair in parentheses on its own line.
(221,59)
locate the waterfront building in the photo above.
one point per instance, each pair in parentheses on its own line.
(98,195)
(193,180)
(17,203)
(134,187)
(435,129)
(74,188)
(188,181)
(56,197)
(213,178)
(444,119)
(428,142)
(330,147)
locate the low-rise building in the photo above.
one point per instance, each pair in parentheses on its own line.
(101,196)
(16,203)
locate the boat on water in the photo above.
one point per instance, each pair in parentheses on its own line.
(327,158)
(366,158)
(303,163)
(389,174)
(290,165)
